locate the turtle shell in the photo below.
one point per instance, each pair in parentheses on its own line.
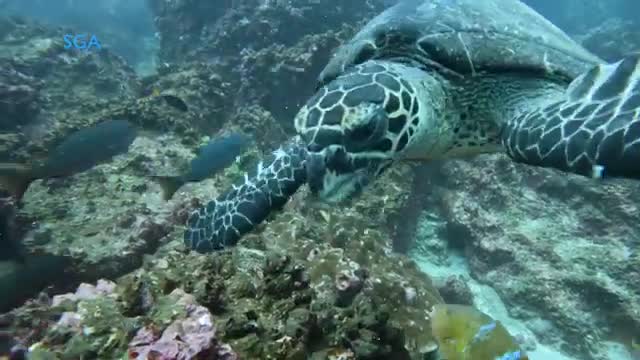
(466,37)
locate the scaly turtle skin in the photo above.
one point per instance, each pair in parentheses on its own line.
(436,79)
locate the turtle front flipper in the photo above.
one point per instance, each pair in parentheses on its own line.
(223,221)
(593,131)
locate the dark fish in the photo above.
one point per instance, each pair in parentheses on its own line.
(10,247)
(79,152)
(176,102)
(213,157)
(23,281)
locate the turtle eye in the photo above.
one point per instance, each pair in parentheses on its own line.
(368,132)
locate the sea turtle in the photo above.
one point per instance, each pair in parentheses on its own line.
(436,79)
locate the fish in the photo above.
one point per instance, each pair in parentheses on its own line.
(484,332)
(215,156)
(80,151)
(23,281)
(11,248)
(513,355)
(597,172)
(176,102)
(171,100)
(464,332)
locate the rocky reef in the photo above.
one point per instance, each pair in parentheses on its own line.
(49,91)
(316,286)
(570,270)
(281,45)
(298,288)
(315,282)
(46,90)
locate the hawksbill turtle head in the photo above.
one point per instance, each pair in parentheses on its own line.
(354,127)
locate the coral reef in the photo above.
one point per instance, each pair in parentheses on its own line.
(92,322)
(276,298)
(194,336)
(315,282)
(281,45)
(47,90)
(576,261)
(19,97)
(77,216)
(454,290)
(197,30)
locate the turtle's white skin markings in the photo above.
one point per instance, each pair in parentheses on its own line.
(493,73)
(437,79)
(466,51)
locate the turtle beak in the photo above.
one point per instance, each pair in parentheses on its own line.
(316,169)
(332,176)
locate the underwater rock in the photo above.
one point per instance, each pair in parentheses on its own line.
(49,90)
(91,321)
(275,294)
(261,124)
(548,243)
(191,30)
(348,285)
(289,69)
(279,44)
(110,225)
(86,292)
(20,98)
(612,39)
(206,89)
(454,290)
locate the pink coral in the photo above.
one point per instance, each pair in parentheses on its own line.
(193,337)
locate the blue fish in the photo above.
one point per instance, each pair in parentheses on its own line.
(215,156)
(514,355)
(79,152)
(484,331)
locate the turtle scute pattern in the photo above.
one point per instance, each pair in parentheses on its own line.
(596,126)
(466,37)
(327,114)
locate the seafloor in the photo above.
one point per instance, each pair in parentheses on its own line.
(553,256)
